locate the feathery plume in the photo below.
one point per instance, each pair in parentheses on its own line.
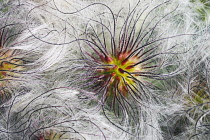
(118,55)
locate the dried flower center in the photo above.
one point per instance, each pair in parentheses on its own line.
(51,135)
(119,73)
(199,96)
(8,66)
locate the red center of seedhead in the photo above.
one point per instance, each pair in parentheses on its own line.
(119,73)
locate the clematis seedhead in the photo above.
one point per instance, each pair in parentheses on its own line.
(117,73)
(11,63)
(119,54)
(50,135)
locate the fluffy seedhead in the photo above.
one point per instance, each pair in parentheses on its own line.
(23,57)
(118,58)
(197,103)
(10,61)
(54,115)
(191,121)
(50,135)
(122,54)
